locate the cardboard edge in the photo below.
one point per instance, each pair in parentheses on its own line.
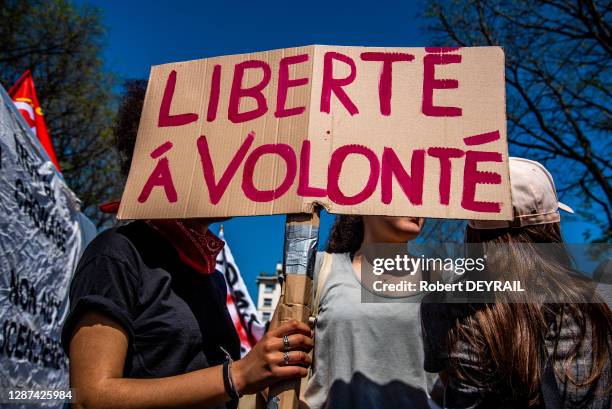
(502,55)
(246,53)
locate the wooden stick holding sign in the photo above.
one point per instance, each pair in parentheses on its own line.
(301,239)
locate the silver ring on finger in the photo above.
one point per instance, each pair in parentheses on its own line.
(286,358)
(286,345)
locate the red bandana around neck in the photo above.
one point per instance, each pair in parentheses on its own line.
(197,250)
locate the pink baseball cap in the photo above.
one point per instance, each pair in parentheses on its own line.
(534,197)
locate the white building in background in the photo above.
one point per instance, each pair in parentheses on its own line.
(268,293)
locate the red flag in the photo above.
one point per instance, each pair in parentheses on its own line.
(23,95)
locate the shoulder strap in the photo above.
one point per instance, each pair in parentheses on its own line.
(321,279)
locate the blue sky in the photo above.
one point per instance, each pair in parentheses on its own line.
(144,33)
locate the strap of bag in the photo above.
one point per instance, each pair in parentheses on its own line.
(321,279)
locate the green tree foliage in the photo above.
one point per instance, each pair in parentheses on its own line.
(62,44)
(558,87)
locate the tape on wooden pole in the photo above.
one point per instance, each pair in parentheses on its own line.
(301,240)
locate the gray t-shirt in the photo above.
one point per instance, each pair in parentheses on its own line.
(367,355)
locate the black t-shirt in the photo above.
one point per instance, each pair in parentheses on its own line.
(176,318)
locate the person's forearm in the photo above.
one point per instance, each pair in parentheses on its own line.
(199,389)
(97,354)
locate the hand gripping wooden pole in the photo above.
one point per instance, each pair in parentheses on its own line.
(301,240)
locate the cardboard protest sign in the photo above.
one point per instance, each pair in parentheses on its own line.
(359,130)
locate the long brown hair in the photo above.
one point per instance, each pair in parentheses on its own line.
(508,339)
